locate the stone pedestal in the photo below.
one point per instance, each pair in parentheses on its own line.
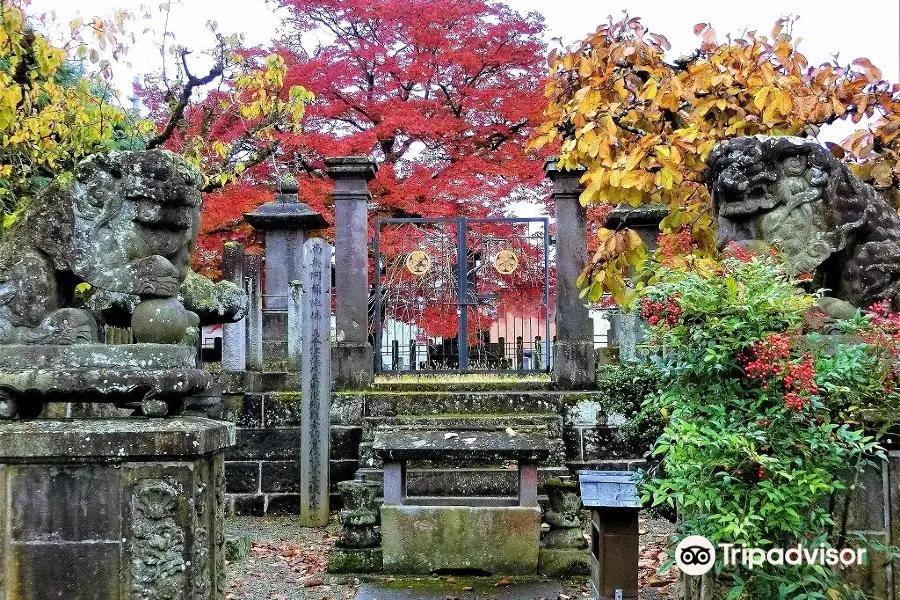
(113,509)
(358,550)
(564,550)
(574,366)
(351,174)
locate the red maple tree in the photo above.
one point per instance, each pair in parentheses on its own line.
(443,95)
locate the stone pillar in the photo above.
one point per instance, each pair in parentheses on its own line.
(626,330)
(315,411)
(107,509)
(573,352)
(353,352)
(294,325)
(253,277)
(234,335)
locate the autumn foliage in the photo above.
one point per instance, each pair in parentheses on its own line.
(642,125)
(443,95)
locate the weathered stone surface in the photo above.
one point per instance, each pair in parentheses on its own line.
(113,439)
(108,509)
(435,445)
(237,547)
(267,444)
(556,562)
(315,403)
(281,476)
(242,477)
(793,193)
(359,516)
(355,560)
(222,302)
(424,539)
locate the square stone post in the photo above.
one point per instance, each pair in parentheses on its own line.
(626,330)
(352,351)
(573,352)
(295,323)
(315,405)
(234,335)
(253,275)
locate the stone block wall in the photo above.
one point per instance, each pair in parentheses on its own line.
(589,431)
(262,469)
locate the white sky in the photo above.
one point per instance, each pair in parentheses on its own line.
(826,25)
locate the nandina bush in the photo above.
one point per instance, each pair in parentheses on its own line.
(751,453)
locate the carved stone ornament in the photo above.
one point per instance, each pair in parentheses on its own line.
(791,193)
(157,543)
(108,245)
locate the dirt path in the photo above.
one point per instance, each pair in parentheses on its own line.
(287,562)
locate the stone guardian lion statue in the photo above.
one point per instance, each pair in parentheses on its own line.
(792,193)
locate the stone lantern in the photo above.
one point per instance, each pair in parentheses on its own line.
(285,222)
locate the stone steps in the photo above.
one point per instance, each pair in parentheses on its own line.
(427,384)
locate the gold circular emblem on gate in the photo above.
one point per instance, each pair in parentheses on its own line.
(506,262)
(418,262)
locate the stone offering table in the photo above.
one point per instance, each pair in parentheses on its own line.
(495,535)
(113,509)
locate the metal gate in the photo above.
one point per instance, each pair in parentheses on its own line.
(462,295)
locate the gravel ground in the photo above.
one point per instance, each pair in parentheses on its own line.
(287,562)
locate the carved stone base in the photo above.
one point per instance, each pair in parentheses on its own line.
(355,560)
(108,509)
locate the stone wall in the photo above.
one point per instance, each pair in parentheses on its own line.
(262,470)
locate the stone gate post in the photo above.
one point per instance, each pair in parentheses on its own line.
(573,352)
(234,335)
(352,351)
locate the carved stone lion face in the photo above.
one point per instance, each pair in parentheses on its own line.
(138,204)
(773,190)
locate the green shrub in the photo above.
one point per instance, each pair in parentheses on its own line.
(751,454)
(626,387)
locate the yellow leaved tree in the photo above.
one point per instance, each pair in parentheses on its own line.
(642,126)
(51,113)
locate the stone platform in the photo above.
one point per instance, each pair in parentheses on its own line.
(112,509)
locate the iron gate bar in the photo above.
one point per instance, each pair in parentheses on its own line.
(462,267)
(462,300)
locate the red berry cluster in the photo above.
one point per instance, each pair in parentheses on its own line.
(665,311)
(799,382)
(771,359)
(732,249)
(763,360)
(885,331)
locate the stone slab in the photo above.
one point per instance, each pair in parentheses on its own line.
(438,589)
(84,356)
(113,440)
(495,540)
(466,445)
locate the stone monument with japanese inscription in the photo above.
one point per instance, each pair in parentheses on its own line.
(315,412)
